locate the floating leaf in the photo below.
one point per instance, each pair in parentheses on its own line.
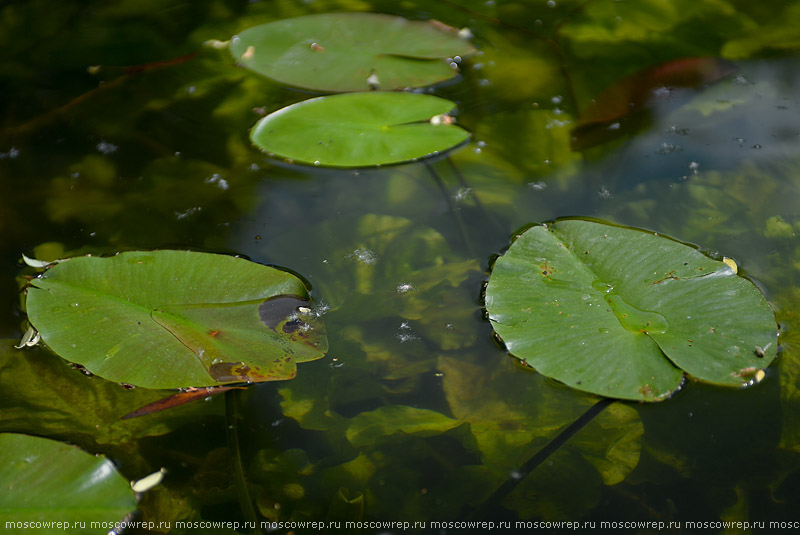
(45,481)
(620,312)
(351,51)
(171,319)
(359,129)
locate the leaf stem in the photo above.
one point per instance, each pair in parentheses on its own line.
(531,464)
(232,435)
(478,204)
(454,210)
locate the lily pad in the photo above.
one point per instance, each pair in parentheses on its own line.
(360,129)
(50,486)
(173,319)
(351,51)
(621,312)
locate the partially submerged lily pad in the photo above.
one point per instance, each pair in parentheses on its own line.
(622,312)
(172,319)
(46,482)
(351,51)
(360,129)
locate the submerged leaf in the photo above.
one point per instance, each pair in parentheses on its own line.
(620,312)
(369,427)
(351,51)
(359,129)
(172,319)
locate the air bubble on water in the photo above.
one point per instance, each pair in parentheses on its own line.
(694,167)
(187,213)
(551,3)
(106,147)
(321,308)
(677,131)
(516,474)
(604,192)
(217,180)
(404,287)
(556,123)
(613,126)
(363,255)
(406,338)
(538,186)
(557,99)
(662,92)
(406,334)
(12,153)
(668,148)
(462,194)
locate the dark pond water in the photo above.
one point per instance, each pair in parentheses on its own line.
(416,414)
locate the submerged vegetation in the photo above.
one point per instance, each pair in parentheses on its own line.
(138,137)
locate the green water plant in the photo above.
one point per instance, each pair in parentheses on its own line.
(352,51)
(46,483)
(174,319)
(623,313)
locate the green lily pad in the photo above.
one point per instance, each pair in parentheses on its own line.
(50,486)
(359,129)
(621,312)
(351,51)
(173,319)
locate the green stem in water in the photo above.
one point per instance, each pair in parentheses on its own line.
(454,210)
(232,435)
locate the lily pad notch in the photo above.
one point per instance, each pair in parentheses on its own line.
(176,319)
(623,312)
